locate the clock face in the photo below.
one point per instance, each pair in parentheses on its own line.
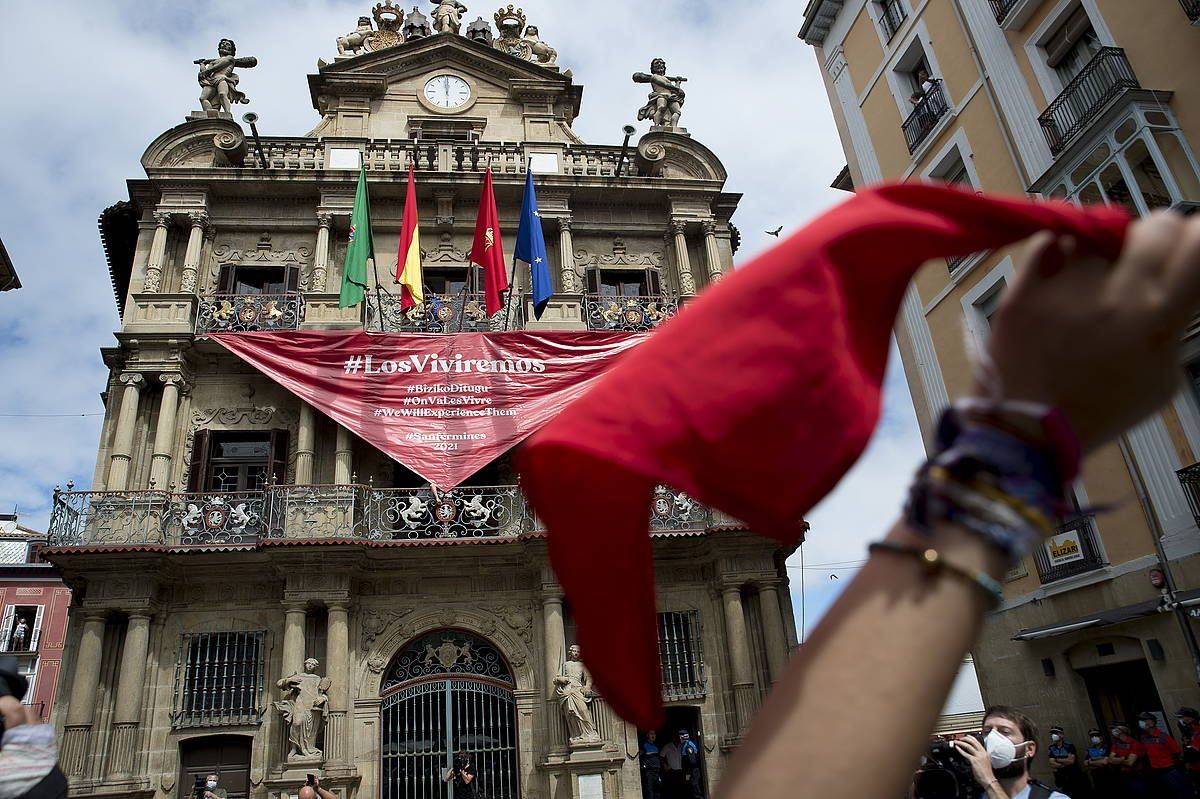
(447,91)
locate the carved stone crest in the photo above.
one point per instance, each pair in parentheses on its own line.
(448,654)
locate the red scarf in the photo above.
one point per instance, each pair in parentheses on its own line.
(755,400)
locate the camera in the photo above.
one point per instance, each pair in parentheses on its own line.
(946,774)
(200,787)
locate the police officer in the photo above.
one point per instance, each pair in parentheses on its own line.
(689,755)
(651,763)
(1096,761)
(1189,729)
(1162,755)
(1064,760)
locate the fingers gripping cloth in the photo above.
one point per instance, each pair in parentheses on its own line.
(755,401)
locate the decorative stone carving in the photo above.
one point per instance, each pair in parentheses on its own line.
(261,253)
(416,26)
(374,622)
(511,24)
(666,96)
(218,81)
(355,42)
(480,31)
(518,619)
(447,17)
(253,417)
(540,51)
(304,706)
(573,687)
(376,664)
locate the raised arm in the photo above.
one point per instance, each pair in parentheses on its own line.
(1097,341)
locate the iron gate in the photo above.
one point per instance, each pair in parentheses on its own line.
(446,692)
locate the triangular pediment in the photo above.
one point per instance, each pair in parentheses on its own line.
(416,57)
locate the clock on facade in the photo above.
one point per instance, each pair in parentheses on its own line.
(447,91)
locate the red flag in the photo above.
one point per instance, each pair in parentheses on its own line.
(775,399)
(408,256)
(488,249)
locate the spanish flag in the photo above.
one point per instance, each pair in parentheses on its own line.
(408,257)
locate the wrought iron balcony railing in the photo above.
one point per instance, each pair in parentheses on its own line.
(892,17)
(1101,80)
(1189,478)
(1192,9)
(925,116)
(307,513)
(442,313)
(1073,550)
(431,155)
(1001,8)
(604,312)
(241,313)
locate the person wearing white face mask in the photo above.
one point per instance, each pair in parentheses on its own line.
(211,790)
(1001,763)
(1126,760)
(1097,765)
(1064,760)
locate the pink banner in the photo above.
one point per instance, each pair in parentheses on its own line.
(444,406)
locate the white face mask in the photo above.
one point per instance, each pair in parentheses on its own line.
(1001,751)
(211,784)
(1145,725)
(1056,737)
(1097,739)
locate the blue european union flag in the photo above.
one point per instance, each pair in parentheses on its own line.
(531,248)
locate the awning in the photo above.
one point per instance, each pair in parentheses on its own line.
(1104,618)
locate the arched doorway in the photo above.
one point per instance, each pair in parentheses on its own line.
(446,691)
(227,756)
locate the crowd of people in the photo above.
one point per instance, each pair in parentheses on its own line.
(672,771)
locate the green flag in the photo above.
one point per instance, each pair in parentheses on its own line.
(361,251)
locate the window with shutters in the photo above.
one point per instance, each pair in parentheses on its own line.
(237,461)
(20,628)
(624,282)
(681,654)
(1072,45)
(253,280)
(219,678)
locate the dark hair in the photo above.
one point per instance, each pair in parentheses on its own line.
(1028,729)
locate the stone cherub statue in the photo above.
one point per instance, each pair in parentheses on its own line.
(666,95)
(447,17)
(573,687)
(355,41)
(305,703)
(218,82)
(540,51)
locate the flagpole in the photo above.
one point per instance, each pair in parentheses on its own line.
(375,266)
(512,275)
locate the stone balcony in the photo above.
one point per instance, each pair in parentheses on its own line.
(244,313)
(629,314)
(322,513)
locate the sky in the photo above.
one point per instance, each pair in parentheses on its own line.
(81,107)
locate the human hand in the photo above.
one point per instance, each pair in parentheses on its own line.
(975,754)
(1099,341)
(14,713)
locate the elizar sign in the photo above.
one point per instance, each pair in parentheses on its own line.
(1064,548)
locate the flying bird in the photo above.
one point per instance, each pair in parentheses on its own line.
(775,232)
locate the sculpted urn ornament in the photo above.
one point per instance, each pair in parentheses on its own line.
(305,703)
(573,688)
(666,96)
(480,31)
(218,81)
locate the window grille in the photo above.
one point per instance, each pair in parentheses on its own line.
(219,678)
(681,654)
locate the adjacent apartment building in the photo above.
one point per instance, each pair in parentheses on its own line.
(232,532)
(33,612)
(1094,101)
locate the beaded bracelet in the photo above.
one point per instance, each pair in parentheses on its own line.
(934,564)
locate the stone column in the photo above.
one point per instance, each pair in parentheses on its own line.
(191,258)
(683,264)
(773,629)
(86,680)
(293,637)
(128,712)
(122,453)
(738,644)
(343,459)
(304,445)
(158,253)
(712,253)
(555,634)
(321,256)
(566,247)
(338,672)
(164,433)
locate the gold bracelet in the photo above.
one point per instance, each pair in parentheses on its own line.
(934,563)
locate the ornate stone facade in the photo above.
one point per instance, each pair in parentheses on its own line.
(176,553)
